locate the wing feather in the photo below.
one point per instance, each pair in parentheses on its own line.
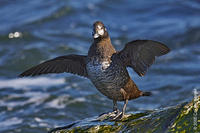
(75,64)
(140,54)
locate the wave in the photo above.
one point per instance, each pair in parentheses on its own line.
(25,82)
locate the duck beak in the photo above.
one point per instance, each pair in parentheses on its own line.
(96,35)
(98,31)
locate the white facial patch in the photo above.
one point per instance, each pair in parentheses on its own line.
(99,26)
(100,31)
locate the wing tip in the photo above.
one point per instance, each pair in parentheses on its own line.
(26,74)
(23,75)
(166,48)
(141,74)
(20,76)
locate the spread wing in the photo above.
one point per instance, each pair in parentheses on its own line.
(140,54)
(75,64)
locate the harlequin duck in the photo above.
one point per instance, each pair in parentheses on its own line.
(106,67)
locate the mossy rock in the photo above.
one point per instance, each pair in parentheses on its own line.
(184,118)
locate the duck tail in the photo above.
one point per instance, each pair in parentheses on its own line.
(147,93)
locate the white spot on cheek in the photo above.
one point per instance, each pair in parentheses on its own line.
(101,32)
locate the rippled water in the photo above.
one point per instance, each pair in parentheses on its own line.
(34,31)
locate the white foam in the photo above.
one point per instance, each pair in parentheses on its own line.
(38,119)
(34,97)
(79,99)
(10,122)
(57,103)
(60,102)
(25,82)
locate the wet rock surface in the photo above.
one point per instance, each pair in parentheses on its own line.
(181,118)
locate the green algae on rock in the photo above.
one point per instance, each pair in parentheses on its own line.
(172,119)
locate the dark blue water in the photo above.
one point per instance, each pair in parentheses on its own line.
(37,30)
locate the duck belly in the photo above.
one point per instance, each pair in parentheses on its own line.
(108,78)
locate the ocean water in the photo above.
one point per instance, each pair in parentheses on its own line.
(34,31)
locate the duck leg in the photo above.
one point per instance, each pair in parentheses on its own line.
(124,108)
(121,114)
(112,114)
(115,106)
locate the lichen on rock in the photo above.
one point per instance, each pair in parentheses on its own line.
(182,118)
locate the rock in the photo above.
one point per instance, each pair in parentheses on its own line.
(184,118)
